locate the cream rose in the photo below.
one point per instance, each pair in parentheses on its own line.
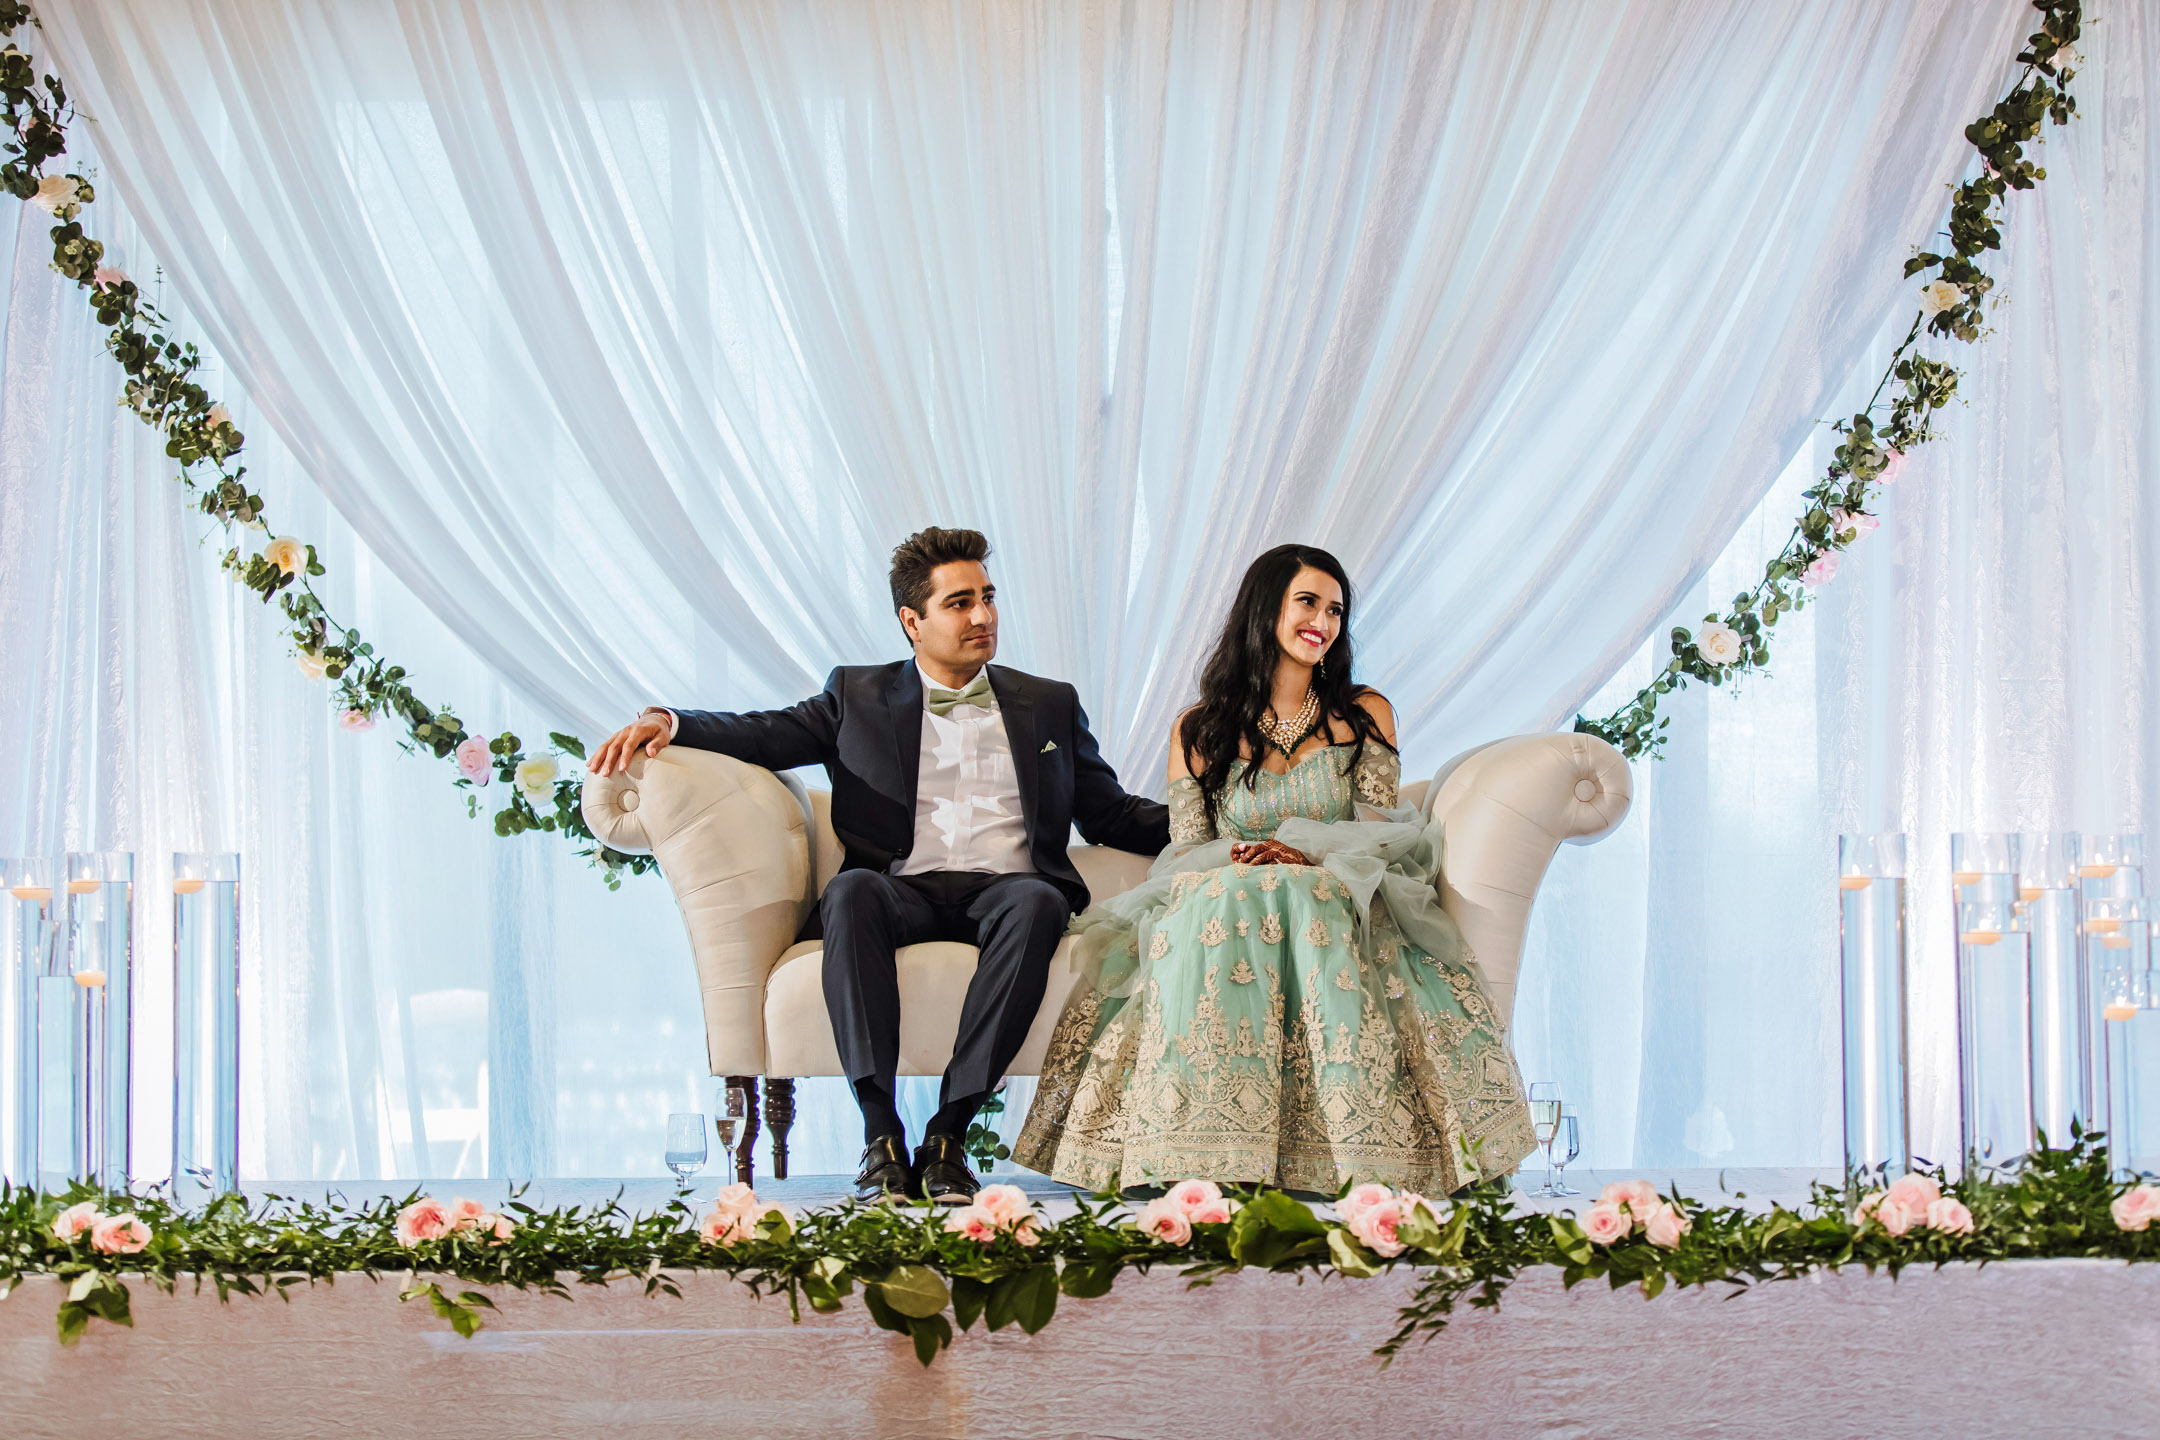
(1939,295)
(1719,643)
(219,415)
(536,777)
(288,554)
(313,663)
(58,195)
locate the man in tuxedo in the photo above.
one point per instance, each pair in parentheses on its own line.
(955,787)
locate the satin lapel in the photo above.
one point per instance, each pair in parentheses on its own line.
(904,699)
(1019,714)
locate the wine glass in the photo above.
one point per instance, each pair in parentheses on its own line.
(724,1127)
(685,1145)
(1565,1146)
(1544,1121)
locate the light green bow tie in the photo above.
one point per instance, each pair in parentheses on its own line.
(976,692)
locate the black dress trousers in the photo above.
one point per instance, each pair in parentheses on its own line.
(1015,922)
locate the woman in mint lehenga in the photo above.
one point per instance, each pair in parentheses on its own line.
(1283,1001)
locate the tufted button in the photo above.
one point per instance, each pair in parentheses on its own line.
(627,801)
(1586,790)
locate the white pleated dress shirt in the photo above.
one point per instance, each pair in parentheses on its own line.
(967,795)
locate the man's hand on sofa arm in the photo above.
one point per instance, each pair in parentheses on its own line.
(652,730)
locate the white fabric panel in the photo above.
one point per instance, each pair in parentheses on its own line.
(609,337)
(1984,661)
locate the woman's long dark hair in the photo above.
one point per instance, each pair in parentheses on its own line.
(1239,678)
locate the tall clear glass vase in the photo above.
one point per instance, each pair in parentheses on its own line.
(2062,1036)
(29,885)
(1871,910)
(2119,953)
(206,1023)
(101,961)
(1994,973)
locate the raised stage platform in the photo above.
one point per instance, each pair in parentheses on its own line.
(2020,1349)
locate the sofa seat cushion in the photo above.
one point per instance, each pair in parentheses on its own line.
(933,982)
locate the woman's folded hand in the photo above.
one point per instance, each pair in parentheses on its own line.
(1266,852)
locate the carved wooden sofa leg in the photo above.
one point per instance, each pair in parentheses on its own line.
(779,1118)
(742,1106)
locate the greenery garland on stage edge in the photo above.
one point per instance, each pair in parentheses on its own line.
(1874,451)
(199,433)
(921,1272)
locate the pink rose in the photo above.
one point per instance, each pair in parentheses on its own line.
(355,720)
(1026,1233)
(1006,1205)
(2136,1207)
(974,1222)
(1192,1196)
(1915,1192)
(1214,1212)
(424,1219)
(1950,1216)
(1892,469)
(1164,1221)
(76,1219)
(1665,1225)
(737,1199)
(1864,523)
(1638,1197)
(725,1227)
(467,1214)
(119,1235)
(503,1226)
(1376,1225)
(1362,1197)
(1606,1223)
(474,762)
(107,276)
(1893,1216)
(1821,570)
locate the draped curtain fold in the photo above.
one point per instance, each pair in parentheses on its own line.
(631,341)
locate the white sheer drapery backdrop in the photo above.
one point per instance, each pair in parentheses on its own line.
(1985,661)
(628,353)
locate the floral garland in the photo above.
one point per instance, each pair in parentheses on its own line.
(1874,450)
(199,433)
(922,1272)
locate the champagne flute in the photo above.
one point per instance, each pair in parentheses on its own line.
(724,1127)
(1566,1145)
(685,1154)
(1544,1121)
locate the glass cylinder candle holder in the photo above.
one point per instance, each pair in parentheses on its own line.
(1871,931)
(1983,867)
(206,1022)
(28,883)
(1994,1033)
(2119,946)
(101,961)
(2111,866)
(2061,990)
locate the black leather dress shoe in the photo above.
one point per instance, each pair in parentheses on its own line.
(941,1172)
(885,1174)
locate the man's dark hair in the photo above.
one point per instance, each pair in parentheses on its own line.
(916,558)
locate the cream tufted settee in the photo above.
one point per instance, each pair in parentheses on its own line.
(748,852)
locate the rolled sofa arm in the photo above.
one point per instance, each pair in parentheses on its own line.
(1507,806)
(729,838)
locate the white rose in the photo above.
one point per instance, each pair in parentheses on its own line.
(536,777)
(56,195)
(1719,643)
(1939,295)
(288,554)
(314,664)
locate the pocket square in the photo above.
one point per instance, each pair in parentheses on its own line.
(1048,746)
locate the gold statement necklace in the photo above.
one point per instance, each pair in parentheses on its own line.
(1286,736)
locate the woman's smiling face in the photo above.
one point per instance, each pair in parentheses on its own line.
(1312,616)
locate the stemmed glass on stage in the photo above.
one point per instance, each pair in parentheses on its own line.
(1544,1124)
(685,1146)
(1565,1145)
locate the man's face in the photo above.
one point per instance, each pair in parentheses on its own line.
(958,629)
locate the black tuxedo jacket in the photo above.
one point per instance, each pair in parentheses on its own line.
(866,730)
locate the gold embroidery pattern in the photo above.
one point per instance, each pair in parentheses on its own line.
(1244,926)
(1271,931)
(1159,946)
(1242,972)
(1213,932)
(1316,933)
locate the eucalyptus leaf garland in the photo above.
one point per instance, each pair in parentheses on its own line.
(919,1278)
(1877,439)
